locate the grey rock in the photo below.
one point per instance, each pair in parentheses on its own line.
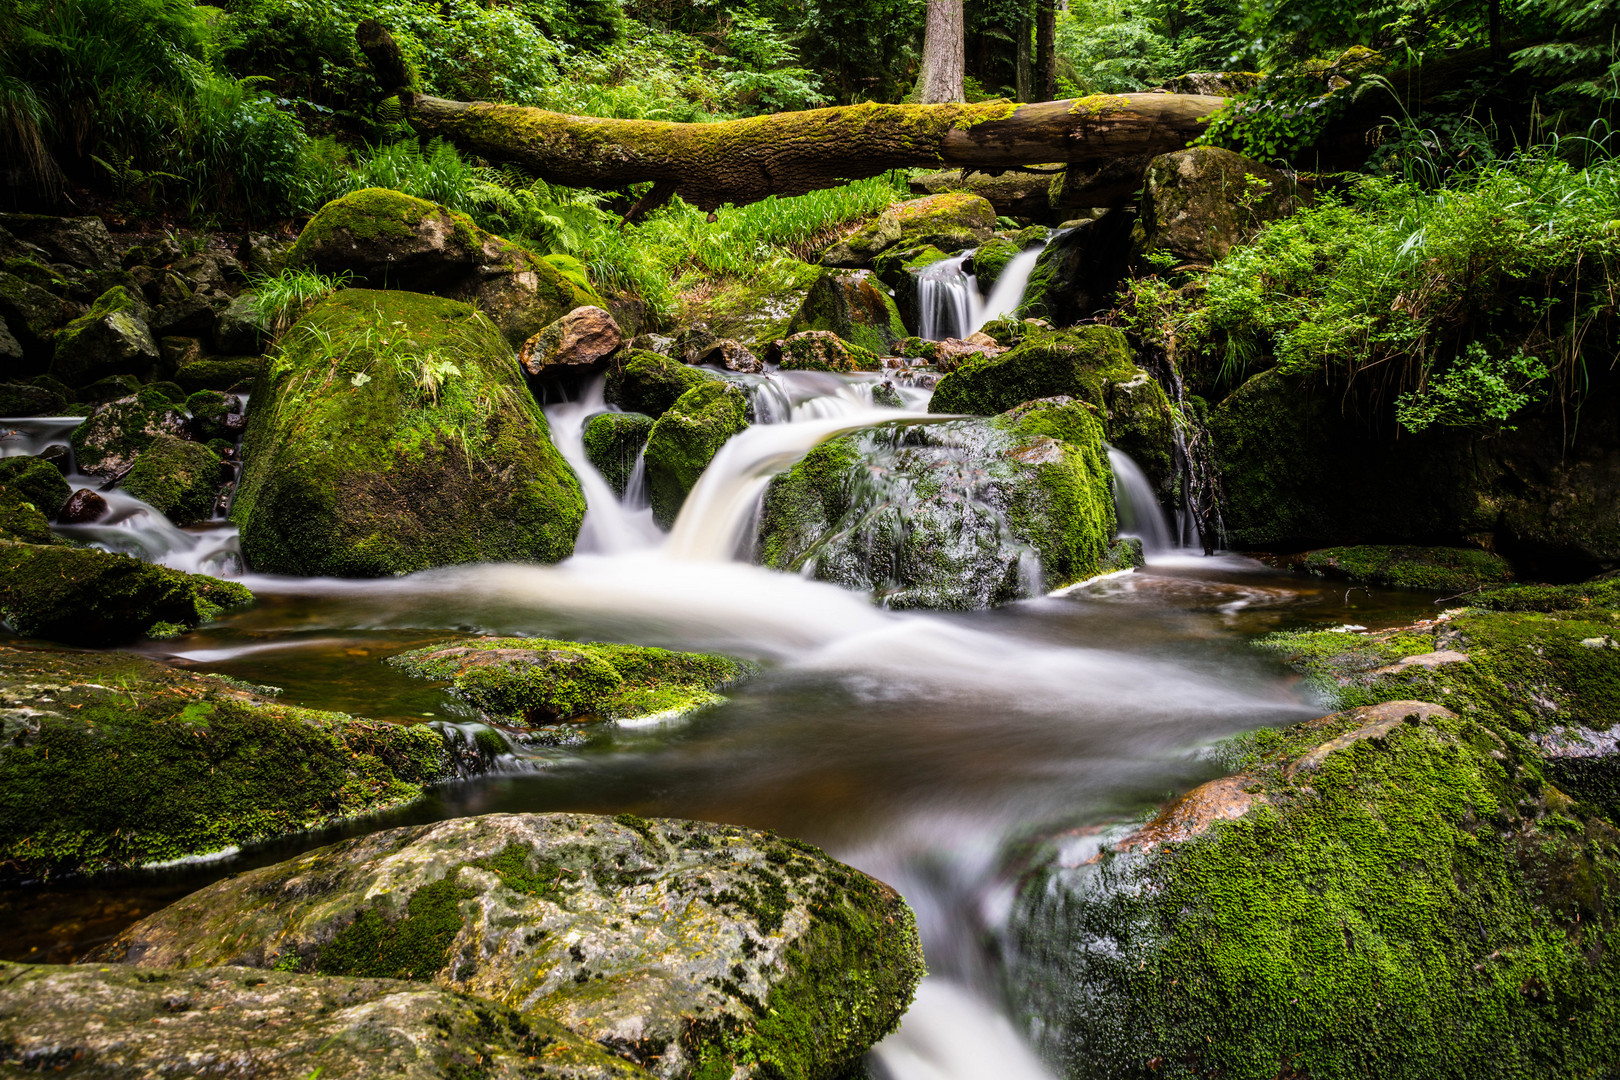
(83,242)
(112,338)
(239,330)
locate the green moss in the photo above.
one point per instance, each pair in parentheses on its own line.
(126,761)
(685,439)
(537,681)
(35,480)
(180,478)
(83,596)
(412,947)
(391,433)
(649,383)
(853,307)
(23,399)
(613,443)
(222,373)
(1454,570)
(1584,596)
(112,334)
(822,350)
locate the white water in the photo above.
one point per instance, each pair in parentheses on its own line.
(609,526)
(1137,506)
(950,305)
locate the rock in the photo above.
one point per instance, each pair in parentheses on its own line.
(83,507)
(390,240)
(178,351)
(112,338)
(693,950)
(852,306)
(950,222)
(1455,570)
(32,316)
(581,341)
(613,444)
(1091,363)
(1011,194)
(649,383)
(964,514)
(113,435)
(31,491)
(278,1026)
(532,682)
(1079,271)
(422,448)
(84,596)
(263,253)
(730,355)
(823,350)
(220,373)
(82,242)
(897,268)
(886,395)
(1199,203)
(1087,191)
(180,309)
(60,456)
(240,329)
(25,399)
(110,388)
(11,350)
(1214,83)
(685,439)
(179,479)
(113,761)
(215,416)
(1323,886)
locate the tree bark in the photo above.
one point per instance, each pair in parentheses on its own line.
(940,81)
(1046,49)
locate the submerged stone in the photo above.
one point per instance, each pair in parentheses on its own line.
(613,444)
(685,439)
(690,949)
(393,432)
(533,681)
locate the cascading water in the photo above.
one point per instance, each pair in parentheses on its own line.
(610,525)
(1137,506)
(949,304)
(1009,289)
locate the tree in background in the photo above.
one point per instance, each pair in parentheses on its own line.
(941,78)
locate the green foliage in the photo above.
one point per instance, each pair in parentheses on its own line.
(282,299)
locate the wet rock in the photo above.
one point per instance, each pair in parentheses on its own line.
(613,444)
(82,242)
(32,315)
(581,341)
(533,682)
(693,950)
(1292,885)
(649,383)
(31,490)
(950,222)
(423,448)
(83,507)
(180,479)
(730,355)
(112,338)
(1456,570)
(1079,271)
(240,329)
(277,1026)
(1012,194)
(685,439)
(823,350)
(855,307)
(58,455)
(113,435)
(964,514)
(389,240)
(885,394)
(215,416)
(220,373)
(1199,203)
(25,399)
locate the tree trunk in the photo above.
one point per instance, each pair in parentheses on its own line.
(940,81)
(1024,71)
(1046,49)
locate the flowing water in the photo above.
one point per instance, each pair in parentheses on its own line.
(950,305)
(919,747)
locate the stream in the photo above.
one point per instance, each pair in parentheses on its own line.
(919,747)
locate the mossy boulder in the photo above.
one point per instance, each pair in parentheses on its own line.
(532,681)
(113,761)
(84,596)
(898,268)
(1392,891)
(112,338)
(963,514)
(823,350)
(115,433)
(1079,271)
(32,315)
(649,383)
(692,949)
(1199,203)
(277,1024)
(685,439)
(180,479)
(109,388)
(26,399)
(1455,570)
(1093,364)
(950,221)
(220,373)
(613,444)
(32,490)
(1012,193)
(393,432)
(390,240)
(855,307)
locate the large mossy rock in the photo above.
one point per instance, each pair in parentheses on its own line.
(118,431)
(84,596)
(823,350)
(393,432)
(99,1020)
(649,383)
(1394,891)
(110,761)
(963,514)
(32,490)
(1079,271)
(32,316)
(533,681)
(1302,466)
(181,479)
(855,307)
(1456,570)
(950,221)
(390,240)
(1200,203)
(112,338)
(28,399)
(685,439)
(1093,364)
(613,444)
(694,950)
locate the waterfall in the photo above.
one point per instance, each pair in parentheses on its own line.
(949,304)
(610,525)
(1137,505)
(1009,289)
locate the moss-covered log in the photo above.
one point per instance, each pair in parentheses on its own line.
(743,161)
